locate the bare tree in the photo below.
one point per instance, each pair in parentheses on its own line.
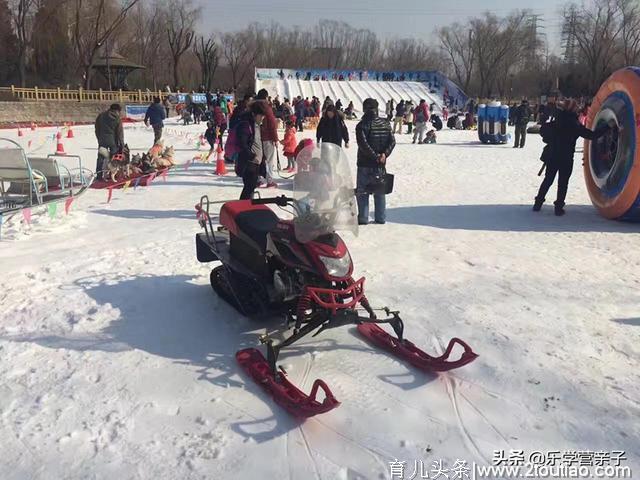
(181,21)
(208,57)
(458,44)
(597,33)
(630,34)
(8,44)
(22,13)
(497,42)
(331,41)
(145,40)
(410,54)
(94,24)
(240,51)
(50,47)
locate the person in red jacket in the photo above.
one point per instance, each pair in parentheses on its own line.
(290,144)
(424,108)
(269,135)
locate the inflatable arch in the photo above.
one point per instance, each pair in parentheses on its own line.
(492,123)
(612,162)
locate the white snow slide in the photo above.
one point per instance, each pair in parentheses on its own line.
(352,91)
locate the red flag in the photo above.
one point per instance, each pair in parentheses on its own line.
(26,213)
(67,204)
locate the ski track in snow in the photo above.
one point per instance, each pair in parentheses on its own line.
(118,361)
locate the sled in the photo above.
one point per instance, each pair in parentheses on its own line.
(30,182)
(143,180)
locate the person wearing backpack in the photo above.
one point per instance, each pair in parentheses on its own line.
(420,127)
(561,136)
(250,148)
(231,146)
(375,144)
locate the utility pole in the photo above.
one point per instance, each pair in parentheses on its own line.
(569,25)
(535,38)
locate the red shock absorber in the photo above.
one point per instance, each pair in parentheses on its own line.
(365,304)
(304,304)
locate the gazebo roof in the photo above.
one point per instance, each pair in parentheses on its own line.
(115,60)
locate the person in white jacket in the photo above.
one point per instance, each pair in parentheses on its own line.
(408,117)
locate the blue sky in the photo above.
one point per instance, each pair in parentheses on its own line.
(418,18)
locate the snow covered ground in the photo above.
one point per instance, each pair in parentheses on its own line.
(117,360)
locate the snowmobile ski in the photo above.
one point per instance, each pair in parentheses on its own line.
(285,393)
(406,350)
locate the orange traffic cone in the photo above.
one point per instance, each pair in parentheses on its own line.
(221,168)
(20,134)
(70,132)
(59,146)
(58,135)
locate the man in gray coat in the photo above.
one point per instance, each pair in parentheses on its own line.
(109,133)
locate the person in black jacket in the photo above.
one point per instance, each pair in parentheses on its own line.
(520,120)
(331,128)
(197,112)
(155,117)
(249,143)
(375,144)
(558,155)
(110,135)
(211,134)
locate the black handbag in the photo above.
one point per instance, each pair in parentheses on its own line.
(381,183)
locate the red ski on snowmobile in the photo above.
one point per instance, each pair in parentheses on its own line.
(301,269)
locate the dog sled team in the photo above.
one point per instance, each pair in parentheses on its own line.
(115,162)
(122,165)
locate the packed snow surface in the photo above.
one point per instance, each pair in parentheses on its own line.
(117,359)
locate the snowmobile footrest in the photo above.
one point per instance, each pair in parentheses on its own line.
(204,252)
(406,350)
(285,393)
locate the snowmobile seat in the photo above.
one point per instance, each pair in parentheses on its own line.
(256,224)
(248,222)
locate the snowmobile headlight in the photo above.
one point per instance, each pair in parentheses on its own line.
(337,267)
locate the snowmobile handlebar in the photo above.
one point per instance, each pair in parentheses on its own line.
(281,201)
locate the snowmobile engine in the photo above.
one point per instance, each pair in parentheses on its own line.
(284,285)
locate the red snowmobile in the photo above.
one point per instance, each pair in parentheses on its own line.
(301,269)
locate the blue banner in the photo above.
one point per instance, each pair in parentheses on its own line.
(196,97)
(136,112)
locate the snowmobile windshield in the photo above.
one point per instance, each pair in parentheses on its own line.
(324,193)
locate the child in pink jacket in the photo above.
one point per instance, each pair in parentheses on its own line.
(290,143)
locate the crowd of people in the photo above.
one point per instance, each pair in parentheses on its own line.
(253,141)
(561,124)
